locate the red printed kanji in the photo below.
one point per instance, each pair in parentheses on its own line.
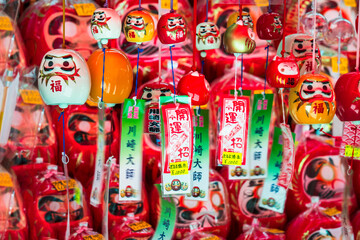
(56,87)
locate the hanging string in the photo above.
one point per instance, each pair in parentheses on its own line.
(171,6)
(298,13)
(242,71)
(240,10)
(349,171)
(236,66)
(202,66)
(282,104)
(63,43)
(194,36)
(160,45)
(269,7)
(139,4)
(339,54)
(266,65)
(283,38)
(106,4)
(137,70)
(172,70)
(207,11)
(65,161)
(314,37)
(103,80)
(358,40)
(111,130)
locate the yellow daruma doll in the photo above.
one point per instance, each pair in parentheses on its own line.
(312,101)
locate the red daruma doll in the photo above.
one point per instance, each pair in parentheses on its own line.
(171,28)
(47,208)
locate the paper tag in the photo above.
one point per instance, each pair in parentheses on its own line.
(97,184)
(130,172)
(138,226)
(350,140)
(233,132)
(199,173)
(344,63)
(84,9)
(166,4)
(273,196)
(177,139)
(94,237)
(350,3)
(287,166)
(259,135)
(331,211)
(61,185)
(262,3)
(178,168)
(166,223)
(5,180)
(31,96)
(231,158)
(5,23)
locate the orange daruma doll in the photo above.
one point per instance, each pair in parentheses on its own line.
(312,101)
(118,77)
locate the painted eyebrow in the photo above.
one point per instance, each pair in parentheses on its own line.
(66,57)
(165,90)
(49,57)
(139,18)
(308,81)
(299,41)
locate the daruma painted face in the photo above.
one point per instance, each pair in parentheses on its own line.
(172,28)
(207,36)
(105,24)
(139,26)
(283,72)
(312,101)
(64,78)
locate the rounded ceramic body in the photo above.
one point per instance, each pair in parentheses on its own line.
(172,28)
(239,38)
(300,46)
(283,72)
(139,26)
(64,78)
(105,24)
(118,77)
(340,28)
(207,36)
(321,24)
(269,26)
(347,90)
(195,86)
(246,18)
(312,101)
(41,26)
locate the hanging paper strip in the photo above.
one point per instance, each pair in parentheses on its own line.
(199,173)
(273,196)
(166,224)
(350,146)
(259,133)
(99,163)
(233,132)
(177,143)
(131,150)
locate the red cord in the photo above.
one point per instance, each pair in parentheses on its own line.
(194,36)
(283,40)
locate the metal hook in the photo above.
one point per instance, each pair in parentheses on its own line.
(64,158)
(349,171)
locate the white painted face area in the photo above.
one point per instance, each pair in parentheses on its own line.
(288,68)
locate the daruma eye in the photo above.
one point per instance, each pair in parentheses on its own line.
(309,87)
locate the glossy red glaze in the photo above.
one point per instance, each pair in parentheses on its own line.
(171,28)
(283,72)
(195,86)
(41,26)
(317,173)
(81,124)
(47,207)
(347,91)
(269,26)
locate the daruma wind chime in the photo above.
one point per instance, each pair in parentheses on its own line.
(64,79)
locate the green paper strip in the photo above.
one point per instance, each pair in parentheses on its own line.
(166,223)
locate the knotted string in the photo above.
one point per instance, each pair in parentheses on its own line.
(172,70)
(266,65)
(137,70)
(102,80)
(65,161)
